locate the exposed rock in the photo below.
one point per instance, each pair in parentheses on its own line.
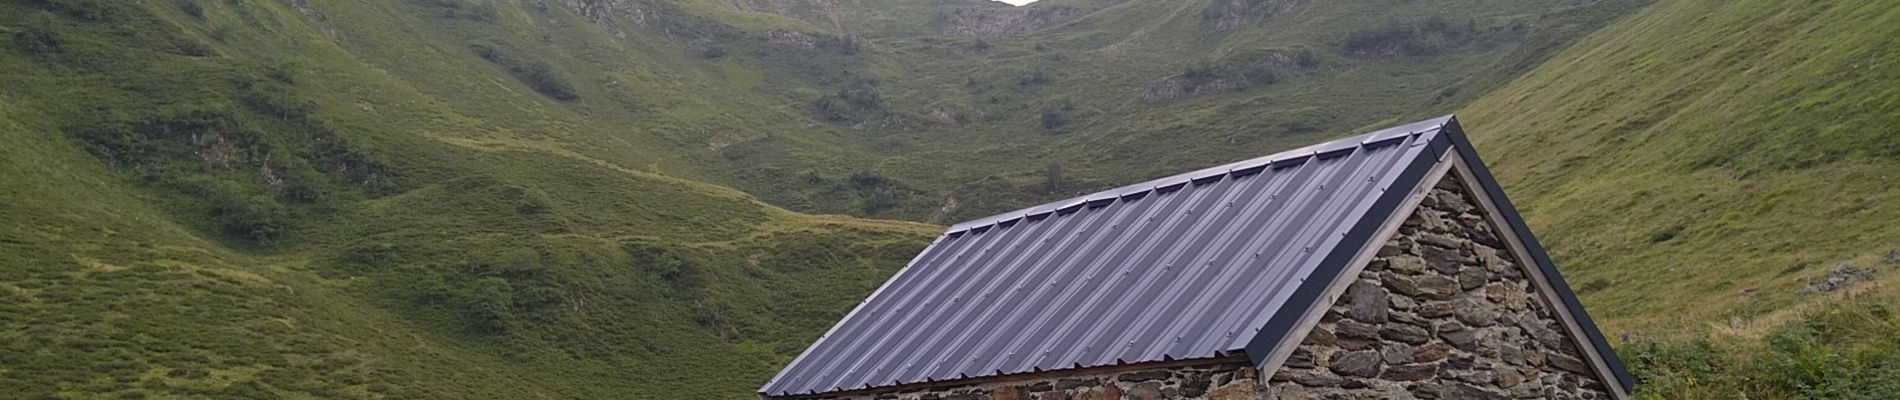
(1175,87)
(792,39)
(995,21)
(1839,277)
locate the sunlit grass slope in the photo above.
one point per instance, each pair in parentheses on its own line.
(1701,160)
(216,200)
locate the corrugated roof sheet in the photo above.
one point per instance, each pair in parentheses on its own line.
(1189,266)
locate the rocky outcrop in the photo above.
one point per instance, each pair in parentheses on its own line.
(1175,87)
(1839,277)
(827,9)
(993,21)
(1444,312)
(792,39)
(602,13)
(1227,15)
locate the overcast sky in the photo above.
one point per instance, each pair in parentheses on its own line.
(1017,2)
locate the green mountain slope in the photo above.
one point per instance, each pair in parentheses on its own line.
(1696,167)
(216,200)
(1703,160)
(619,198)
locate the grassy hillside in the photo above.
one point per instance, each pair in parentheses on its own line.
(216,200)
(1728,151)
(487,199)
(968,126)
(623,199)
(1695,166)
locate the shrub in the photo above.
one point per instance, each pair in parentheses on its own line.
(1055,117)
(535,74)
(276,101)
(868,180)
(1033,78)
(1427,37)
(89,10)
(258,219)
(855,102)
(191,8)
(489,304)
(38,35)
(665,264)
(1306,57)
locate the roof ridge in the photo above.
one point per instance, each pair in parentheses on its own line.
(1214,173)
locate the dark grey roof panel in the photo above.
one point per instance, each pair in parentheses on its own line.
(1183,267)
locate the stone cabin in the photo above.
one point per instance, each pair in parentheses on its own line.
(1387,265)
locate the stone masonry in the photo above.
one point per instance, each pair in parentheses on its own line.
(1222,379)
(1443,312)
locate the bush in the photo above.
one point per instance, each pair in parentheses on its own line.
(490,304)
(1306,57)
(258,219)
(277,102)
(1055,117)
(1431,36)
(89,10)
(38,35)
(191,8)
(1033,78)
(855,102)
(665,264)
(535,74)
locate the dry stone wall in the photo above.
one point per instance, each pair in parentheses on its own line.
(1221,379)
(1444,312)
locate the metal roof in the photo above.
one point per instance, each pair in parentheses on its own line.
(1196,265)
